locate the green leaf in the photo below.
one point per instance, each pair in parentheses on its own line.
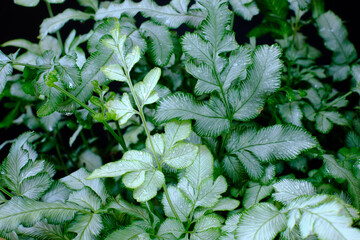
(176,131)
(27,3)
(69,72)
(160,42)
(55,1)
(132,161)
(171,15)
(43,230)
(22,173)
(275,142)
(226,204)
(87,226)
(323,215)
(51,25)
(245,8)
(263,79)
(210,118)
(122,110)
(154,179)
(181,155)
(291,113)
(228,230)
(219,16)
(255,193)
(132,58)
(114,72)
(86,198)
(324,121)
(25,44)
(128,208)
(202,167)
(196,47)
(171,229)
(261,221)
(181,204)
(333,169)
(207,227)
(128,233)
(5,70)
(134,179)
(287,190)
(157,141)
(145,89)
(89,3)
(78,180)
(334,33)
(27,212)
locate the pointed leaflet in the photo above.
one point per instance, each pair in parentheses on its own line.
(5,70)
(114,72)
(324,121)
(132,161)
(128,208)
(196,47)
(145,89)
(287,190)
(171,15)
(335,34)
(333,169)
(51,25)
(132,58)
(159,42)
(122,110)
(27,212)
(263,79)
(210,118)
(261,221)
(219,16)
(157,141)
(87,226)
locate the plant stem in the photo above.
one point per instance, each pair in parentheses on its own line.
(31,66)
(6,192)
(118,138)
(48,5)
(142,116)
(338,99)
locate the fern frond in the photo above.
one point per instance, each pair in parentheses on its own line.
(255,193)
(87,226)
(263,79)
(172,15)
(261,221)
(335,170)
(267,144)
(44,231)
(335,35)
(159,41)
(5,70)
(28,212)
(289,189)
(210,118)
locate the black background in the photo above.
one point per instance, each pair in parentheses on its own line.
(23,22)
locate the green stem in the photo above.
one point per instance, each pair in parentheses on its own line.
(118,138)
(338,99)
(31,66)
(48,5)
(6,192)
(142,116)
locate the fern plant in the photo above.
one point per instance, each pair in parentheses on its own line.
(136,130)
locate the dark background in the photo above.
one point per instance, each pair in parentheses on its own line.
(22,22)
